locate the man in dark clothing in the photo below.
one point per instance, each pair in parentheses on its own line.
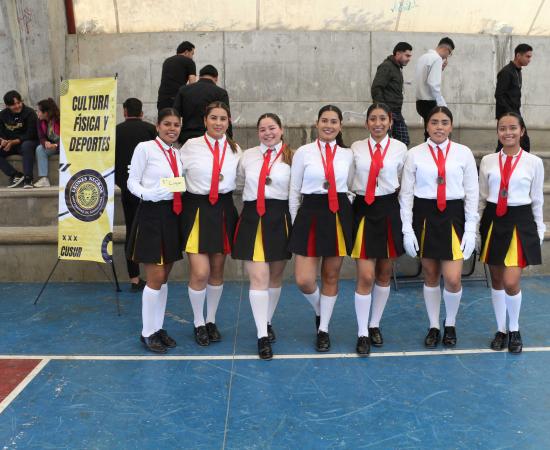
(508,90)
(177,71)
(18,136)
(387,87)
(192,100)
(128,135)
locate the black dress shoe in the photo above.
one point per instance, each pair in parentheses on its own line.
(201,336)
(449,336)
(153,343)
(376,338)
(500,341)
(515,345)
(166,340)
(271,334)
(363,346)
(323,342)
(264,348)
(213,333)
(432,338)
(317,322)
(138,287)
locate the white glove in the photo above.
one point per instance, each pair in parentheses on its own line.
(468,244)
(155,194)
(411,244)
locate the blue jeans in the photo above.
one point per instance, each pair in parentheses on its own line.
(42,155)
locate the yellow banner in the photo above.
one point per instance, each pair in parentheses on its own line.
(86,169)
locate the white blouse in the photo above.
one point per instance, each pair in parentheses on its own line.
(389,175)
(197,161)
(420,180)
(526,186)
(248,174)
(150,164)
(307,173)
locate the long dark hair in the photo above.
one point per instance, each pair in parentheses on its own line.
(287,152)
(339,137)
(165,112)
(440,109)
(49,106)
(223,106)
(384,108)
(513,114)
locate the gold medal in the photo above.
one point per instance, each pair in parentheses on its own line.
(221,176)
(440,180)
(267,181)
(326,185)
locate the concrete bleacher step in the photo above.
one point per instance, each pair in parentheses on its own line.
(17,162)
(38,207)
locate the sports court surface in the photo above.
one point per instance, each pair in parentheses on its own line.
(73,374)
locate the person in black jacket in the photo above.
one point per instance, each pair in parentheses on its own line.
(192,100)
(177,71)
(508,90)
(387,87)
(128,135)
(18,136)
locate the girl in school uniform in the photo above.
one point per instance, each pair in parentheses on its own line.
(322,216)
(439,201)
(263,229)
(209,217)
(378,163)
(512,227)
(155,238)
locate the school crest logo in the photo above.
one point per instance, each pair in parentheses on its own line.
(86,195)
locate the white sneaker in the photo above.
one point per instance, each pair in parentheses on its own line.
(42,182)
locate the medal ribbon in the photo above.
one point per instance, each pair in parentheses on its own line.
(441,180)
(328,165)
(376,164)
(172,162)
(505,175)
(264,173)
(216,169)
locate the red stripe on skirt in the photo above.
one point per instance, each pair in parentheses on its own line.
(392,253)
(237,229)
(363,253)
(311,250)
(226,245)
(521,259)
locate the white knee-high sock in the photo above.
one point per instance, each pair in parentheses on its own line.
(513,305)
(161,306)
(213,295)
(149,301)
(259,301)
(432,298)
(452,302)
(499,305)
(380,296)
(314,300)
(197,303)
(327,306)
(362,310)
(274,295)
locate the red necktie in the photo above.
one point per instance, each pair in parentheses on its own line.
(176,203)
(502,204)
(441,181)
(260,202)
(375,166)
(214,183)
(332,193)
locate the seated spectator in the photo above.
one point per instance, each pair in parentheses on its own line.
(48,134)
(17,137)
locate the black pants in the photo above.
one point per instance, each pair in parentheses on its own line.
(130,204)
(524,142)
(185,135)
(27,149)
(165,102)
(423,108)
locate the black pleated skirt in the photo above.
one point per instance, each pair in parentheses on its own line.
(317,231)
(511,240)
(207,228)
(266,238)
(439,232)
(377,228)
(155,237)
